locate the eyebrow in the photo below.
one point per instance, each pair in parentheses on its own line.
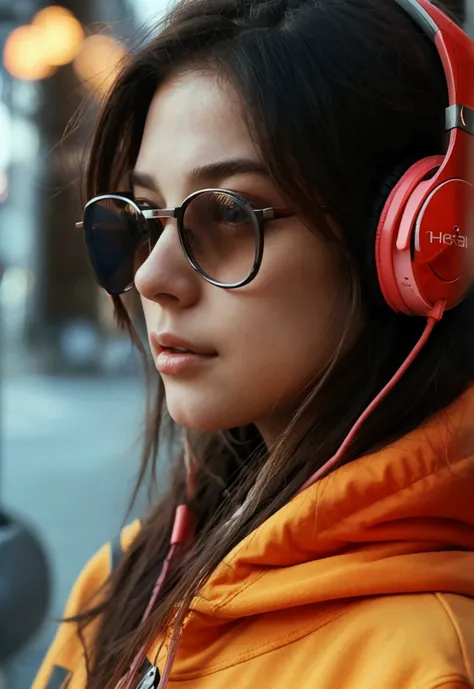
(207,174)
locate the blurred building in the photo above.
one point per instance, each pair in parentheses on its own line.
(69,450)
(54,318)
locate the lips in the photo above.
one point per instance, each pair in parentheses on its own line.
(167,342)
(178,350)
(179,358)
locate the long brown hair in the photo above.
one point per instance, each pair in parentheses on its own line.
(336,93)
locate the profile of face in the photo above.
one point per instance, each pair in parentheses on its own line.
(268,340)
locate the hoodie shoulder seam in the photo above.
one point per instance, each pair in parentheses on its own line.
(259,650)
(447,609)
(450,681)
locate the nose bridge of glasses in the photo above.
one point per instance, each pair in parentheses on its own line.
(155,213)
(163,240)
(163,215)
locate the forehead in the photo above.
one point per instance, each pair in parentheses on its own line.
(194,119)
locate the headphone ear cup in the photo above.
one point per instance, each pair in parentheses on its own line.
(387,186)
(405,272)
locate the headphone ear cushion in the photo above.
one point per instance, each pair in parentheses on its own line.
(388,184)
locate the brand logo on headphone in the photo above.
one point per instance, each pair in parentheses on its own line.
(455,239)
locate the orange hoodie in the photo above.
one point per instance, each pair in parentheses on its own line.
(363,581)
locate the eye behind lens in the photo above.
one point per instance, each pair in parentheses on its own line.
(220,236)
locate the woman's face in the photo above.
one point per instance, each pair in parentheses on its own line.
(266,341)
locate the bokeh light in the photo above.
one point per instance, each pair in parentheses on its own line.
(99,62)
(62,34)
(24,56)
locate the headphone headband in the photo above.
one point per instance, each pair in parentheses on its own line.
(456,52)
(418,13)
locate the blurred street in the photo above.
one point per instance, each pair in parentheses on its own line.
(69,456)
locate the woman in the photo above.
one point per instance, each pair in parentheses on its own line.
(265,357)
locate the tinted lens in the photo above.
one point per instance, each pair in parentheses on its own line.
(220,235)
(116,233)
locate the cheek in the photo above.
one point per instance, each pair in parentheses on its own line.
(274,336)
(295,317)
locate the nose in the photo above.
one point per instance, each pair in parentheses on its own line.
(166,275)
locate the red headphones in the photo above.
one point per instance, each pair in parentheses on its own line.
(422,240)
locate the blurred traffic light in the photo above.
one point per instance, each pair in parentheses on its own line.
(35,50)
(23,54)
(62,34)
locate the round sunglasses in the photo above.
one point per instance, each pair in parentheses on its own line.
(221,235)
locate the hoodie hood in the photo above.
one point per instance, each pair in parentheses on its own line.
(398,521)
(379,525)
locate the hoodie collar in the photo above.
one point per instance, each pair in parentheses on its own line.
(379,525)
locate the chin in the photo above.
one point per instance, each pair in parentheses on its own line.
(203,420)
(201,413)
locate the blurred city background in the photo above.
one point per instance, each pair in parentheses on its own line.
(72,398)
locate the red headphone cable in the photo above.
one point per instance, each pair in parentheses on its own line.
(433,317)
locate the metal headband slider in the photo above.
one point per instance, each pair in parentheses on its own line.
(460,117)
